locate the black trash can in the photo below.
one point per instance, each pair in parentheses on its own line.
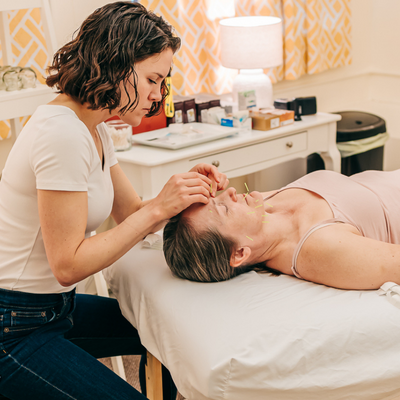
(360,139)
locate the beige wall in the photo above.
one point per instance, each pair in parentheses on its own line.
(386,32)
(68,16)
(371,83)
(385,80)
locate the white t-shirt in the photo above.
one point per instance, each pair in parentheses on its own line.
(54,151)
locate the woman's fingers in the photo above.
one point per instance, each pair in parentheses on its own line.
(196,182)
(193,180)
(224,181)
(219,179)
(181,191)
(197,198)
(194,175)
(186,192)
(195,186)
(191,190)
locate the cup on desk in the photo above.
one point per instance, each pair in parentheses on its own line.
(121,134)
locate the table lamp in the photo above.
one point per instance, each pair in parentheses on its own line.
(250,44)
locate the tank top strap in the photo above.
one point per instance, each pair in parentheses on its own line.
(273,194)
(320,225)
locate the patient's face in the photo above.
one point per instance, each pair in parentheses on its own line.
(236,216)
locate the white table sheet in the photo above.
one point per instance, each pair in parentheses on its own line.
(259,336)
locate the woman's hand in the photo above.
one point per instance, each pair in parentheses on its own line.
(219,181)
(181,191)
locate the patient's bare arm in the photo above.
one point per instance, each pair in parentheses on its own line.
(340,257)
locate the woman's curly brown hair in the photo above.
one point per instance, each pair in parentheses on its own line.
(110,41)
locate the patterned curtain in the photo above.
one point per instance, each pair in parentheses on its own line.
(316,35)
(28,47)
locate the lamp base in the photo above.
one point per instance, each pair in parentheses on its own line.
(254,79)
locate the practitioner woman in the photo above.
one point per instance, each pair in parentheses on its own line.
(61,181)
(325,227)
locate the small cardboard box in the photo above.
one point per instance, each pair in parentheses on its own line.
(266,119)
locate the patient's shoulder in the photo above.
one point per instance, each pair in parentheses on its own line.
(341,257)
(326,238)
(324,250)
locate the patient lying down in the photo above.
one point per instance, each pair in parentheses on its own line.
(325,227)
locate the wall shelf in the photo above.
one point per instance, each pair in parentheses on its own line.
(24,102)
(20,103)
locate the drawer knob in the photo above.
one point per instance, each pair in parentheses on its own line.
(215,163)
(289,145)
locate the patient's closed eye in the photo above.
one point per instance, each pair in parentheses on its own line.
(223,205)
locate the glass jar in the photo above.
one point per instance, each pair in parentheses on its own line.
(12,80)
(27,77)
(3,70)
(121,134)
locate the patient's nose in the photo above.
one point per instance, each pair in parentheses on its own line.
(231,193)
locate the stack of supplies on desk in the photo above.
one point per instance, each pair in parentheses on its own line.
(204,102)
(262,119)
(193,108)
(238,119)
(185,110)
(265,119)
(208,108)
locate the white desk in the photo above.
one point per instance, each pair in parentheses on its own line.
(149,168)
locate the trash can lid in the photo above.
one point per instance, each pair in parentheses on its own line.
(356,125)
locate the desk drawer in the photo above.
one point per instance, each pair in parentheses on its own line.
(255,153)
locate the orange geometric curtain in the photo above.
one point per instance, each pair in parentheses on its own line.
(316,37)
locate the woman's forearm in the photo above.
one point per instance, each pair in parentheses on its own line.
(120,213)
(100,251)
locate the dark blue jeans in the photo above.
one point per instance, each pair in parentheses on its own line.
(49,344)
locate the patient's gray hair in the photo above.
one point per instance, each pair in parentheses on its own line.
(200,256)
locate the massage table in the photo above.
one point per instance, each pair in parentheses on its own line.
(260,336)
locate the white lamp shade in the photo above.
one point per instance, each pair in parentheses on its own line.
(251,42)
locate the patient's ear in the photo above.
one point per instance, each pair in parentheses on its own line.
(240,256)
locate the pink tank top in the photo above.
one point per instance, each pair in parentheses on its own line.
(354,200)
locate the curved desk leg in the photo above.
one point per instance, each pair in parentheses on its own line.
(153,378)
(332,158)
